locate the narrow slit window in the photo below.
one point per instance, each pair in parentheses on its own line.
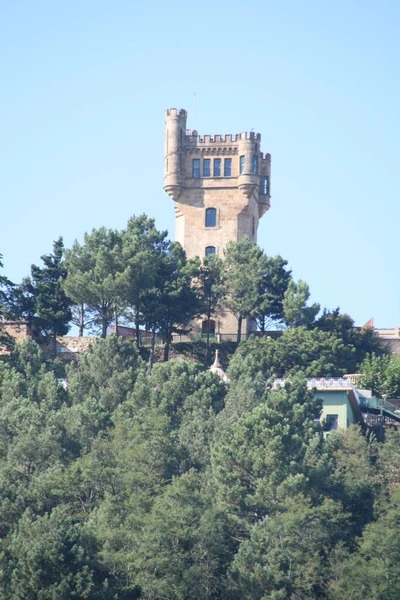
(254,164)
(227,167)
(217,167)
(206,167)
(210,250)
(211,217)
(196,168)
(241,165)
(265,186)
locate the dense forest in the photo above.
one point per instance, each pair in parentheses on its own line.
(125,479)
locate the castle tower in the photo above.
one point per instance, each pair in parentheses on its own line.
(221,189)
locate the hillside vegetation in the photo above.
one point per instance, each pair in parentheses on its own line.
(131,483)
(137,276)
(125,478)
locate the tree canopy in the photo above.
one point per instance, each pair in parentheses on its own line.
(94,271)
(130,483)
(43,297)
(123,477)
(296,311)
(137,277)
(6,287)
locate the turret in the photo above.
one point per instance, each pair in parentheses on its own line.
(249,163)
(175,131)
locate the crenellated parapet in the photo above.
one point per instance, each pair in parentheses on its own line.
(193,161)
(176,112)
(193,138)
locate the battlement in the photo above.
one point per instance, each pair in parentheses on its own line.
(189,164)
(192,137)
(176,112)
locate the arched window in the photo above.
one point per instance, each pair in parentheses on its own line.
(208,327)
(211,217)
(210,250)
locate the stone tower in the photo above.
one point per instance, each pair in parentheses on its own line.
(221,189)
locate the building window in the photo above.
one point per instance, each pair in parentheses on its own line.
(265,186)
(206,167)
(210,250)
(253,226)
(217,167)
(211,217)
(241,165)
(331,422)
(208,327)
(227,167)
(196,168)
(254,164)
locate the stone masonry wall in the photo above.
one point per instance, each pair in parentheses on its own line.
(18,331)
(74,344)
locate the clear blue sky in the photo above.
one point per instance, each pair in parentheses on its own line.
(84,85)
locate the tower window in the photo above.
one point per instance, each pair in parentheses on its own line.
(217,167)
(196,168)
(265,186)
(253,226)
(210,250)
(241,165)
(254,164)
(206,167)
(208,327)
(227,167)
(211,217)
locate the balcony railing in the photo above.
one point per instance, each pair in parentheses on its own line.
(321,383)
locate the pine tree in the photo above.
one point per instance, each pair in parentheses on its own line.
(245,266)
(45,287)
(272,291)
(143,250)
(6,300)
(295,309)
(213,291)
(94,275)
(174,301)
